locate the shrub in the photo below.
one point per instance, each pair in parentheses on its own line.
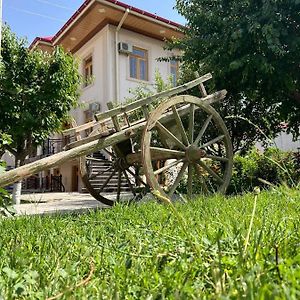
(256,168)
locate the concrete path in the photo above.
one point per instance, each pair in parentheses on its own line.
(53,203)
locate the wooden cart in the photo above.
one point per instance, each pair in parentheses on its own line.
(170,142)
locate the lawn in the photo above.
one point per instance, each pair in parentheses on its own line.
(145,251)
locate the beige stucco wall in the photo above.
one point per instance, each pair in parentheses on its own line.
(285,142)
(97,91)
(102,49)
(9,159)
(155,51)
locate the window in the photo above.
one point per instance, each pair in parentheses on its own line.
(138,62)
(88,71)
(174,71)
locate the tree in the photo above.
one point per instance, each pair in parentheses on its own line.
(253,50)
(37,90)
(5,198)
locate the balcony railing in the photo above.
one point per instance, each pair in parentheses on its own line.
(49,183)
(50,147)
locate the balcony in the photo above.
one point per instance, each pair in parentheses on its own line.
(43,184)
(48,148)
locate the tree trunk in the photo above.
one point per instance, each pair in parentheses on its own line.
(16,194)
(296,97)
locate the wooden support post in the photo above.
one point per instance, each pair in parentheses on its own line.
(126,119)
(201,86)
(145,110)
(114,118)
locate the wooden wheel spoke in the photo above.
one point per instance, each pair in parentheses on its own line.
(129,183)
(138,178)
(219,138)
(164,153)
(190,181)
(210,171)
(167,167)
(202,130)
(170,135)
(219,158)
(119,184)
(178,178)
(180,125)
(191,122)
(100,172)
(201,178)
(107,181)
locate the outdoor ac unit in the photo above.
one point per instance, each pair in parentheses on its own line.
(95,106)
(125,48)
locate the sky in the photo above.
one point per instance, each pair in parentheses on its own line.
(32,18)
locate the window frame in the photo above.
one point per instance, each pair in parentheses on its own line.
(88,70)
(174,66)
(139,59)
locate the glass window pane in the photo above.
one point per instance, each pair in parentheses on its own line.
(174,71)
(139,52)
(133,67)
(174,79)
(173,63)
(143,70)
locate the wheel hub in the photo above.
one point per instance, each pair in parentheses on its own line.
(193,153)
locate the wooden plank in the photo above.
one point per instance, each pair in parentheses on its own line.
(201,86)
(79,128)
(60,158)
(114,117)
(118,110)
(137,104)
(90,138)
(156,154)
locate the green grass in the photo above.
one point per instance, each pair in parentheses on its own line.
(143,252)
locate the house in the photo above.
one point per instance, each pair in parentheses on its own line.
(117,46)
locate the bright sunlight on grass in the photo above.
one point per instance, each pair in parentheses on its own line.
(142,251)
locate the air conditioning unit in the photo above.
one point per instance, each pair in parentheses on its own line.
(95,106)
(125,48)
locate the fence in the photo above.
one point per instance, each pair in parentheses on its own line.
(45,184)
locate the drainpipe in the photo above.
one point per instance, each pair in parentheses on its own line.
(117,85)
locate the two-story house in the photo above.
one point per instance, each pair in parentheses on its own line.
(118,47)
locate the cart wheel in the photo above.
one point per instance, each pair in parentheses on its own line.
(108,177)
(194,146)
